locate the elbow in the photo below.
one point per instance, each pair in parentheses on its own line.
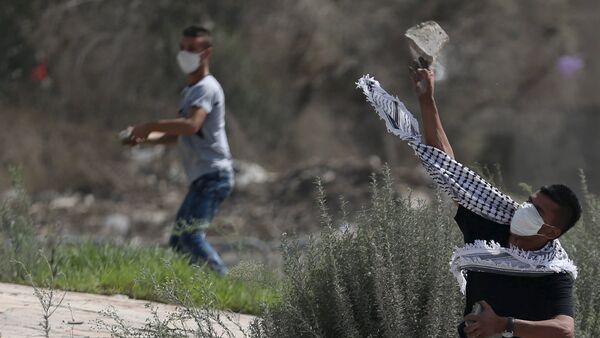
(191,128)
(567,330)
(568,334)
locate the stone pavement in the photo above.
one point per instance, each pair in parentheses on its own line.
(21,313)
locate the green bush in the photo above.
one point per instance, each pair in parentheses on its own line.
(18,243)
(388,276)
(384,274)
(583,245)
(198,312)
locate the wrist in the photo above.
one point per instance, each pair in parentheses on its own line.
(426,99)
(502,323)
(147,127)
(509,327)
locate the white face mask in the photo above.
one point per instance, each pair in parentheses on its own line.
(526,220)
(188,61)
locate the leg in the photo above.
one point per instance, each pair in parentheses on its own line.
(184,214)
(202,252)
(198,209)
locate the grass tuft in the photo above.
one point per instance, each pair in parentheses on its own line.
(133,271)
(112,268)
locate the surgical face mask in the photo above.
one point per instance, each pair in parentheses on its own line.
(188,61)
(526,220)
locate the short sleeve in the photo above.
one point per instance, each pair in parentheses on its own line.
(202,97)
(560,295)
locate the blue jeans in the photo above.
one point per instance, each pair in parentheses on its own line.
(193,218)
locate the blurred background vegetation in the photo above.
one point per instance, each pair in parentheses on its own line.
(519,87)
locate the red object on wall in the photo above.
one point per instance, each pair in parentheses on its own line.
(39,72)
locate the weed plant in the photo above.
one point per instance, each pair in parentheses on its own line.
(22,252)
(383,273)
(583,245)
(49,297)
(197,313)
(19,248)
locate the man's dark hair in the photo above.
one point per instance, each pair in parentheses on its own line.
(196,31)
(568,202)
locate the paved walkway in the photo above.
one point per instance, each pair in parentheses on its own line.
(21,313)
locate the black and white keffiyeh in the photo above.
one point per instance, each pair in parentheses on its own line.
(486,256)
(471,191)
(463,185)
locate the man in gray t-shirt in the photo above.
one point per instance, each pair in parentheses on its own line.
(207,150)
(199,130)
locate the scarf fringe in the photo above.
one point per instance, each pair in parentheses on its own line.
(462,184)
(398,119)
(550,259)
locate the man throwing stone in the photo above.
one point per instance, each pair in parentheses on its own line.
(199,130)
(512,263)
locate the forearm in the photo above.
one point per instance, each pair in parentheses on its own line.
(177,126)
(165,139)
(433,131)
(562,327)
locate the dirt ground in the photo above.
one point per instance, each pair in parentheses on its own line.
(21,314)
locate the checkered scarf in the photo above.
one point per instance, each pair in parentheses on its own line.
(463,185)
(470,191)
(491,257)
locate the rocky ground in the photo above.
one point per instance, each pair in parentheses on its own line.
(262,206)
(79,314)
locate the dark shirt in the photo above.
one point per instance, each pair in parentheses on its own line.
(529,298)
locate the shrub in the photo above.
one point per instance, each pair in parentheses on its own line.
(197,313)
(583,245)
(388,275)
(18,243)
(383,274)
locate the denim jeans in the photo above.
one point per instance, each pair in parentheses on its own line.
(193,218)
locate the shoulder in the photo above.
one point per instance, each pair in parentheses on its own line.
(559,294)
(465,215)
(199,88)
(560,280)
(474,227)
(210,82)
(208,85)
(214,84)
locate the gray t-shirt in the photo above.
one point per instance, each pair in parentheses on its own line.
(208,150)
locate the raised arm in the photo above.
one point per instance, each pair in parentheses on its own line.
(433,131)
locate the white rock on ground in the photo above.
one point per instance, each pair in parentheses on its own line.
(117,223)
(21,313)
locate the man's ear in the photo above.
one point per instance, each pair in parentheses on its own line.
(207,52)
(550,231)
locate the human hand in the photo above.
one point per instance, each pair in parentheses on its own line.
(423,80)
(125,136)
(139,134)
(486,324)
(134,135)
